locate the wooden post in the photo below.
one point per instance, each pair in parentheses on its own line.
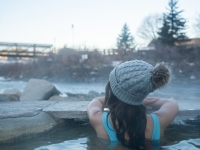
(34,54)
(34,50)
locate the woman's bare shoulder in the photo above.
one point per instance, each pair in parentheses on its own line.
(94,111)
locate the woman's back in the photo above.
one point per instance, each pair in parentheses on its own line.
(152,131)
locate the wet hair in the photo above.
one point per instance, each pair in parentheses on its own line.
(126,119)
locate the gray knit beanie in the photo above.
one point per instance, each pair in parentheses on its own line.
(132,81)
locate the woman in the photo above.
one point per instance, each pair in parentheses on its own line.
(121,115)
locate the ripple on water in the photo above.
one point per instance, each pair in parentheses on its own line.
(79,144)
(192,144)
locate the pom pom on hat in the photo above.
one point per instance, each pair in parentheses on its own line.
(160,76)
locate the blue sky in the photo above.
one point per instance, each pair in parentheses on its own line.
(97,23)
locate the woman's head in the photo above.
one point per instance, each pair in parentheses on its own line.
(132,81)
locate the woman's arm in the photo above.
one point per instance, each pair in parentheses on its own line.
(94,110)
(166,109)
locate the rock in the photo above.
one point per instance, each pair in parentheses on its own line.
(13,97)
(88,97)
(68,110)
(93,93)
(12,91)
(12,129)
(76,95)
(192,77)
(22,108)
(7,97)
(59,98)
(37,89)
(20,120)
(3,98)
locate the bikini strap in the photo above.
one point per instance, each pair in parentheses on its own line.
(108,127)
(156,127)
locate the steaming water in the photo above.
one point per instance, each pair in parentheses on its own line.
(81,136)
(178,89)
(75,88)
(183,136)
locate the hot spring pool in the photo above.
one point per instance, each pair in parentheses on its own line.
(184,135)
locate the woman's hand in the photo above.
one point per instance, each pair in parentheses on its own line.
(147,102)
(166,109)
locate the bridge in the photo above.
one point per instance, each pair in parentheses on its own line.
(8,49)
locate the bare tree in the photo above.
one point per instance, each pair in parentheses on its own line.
(197,26)
(149,28)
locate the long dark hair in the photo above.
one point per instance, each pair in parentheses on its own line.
(130,119)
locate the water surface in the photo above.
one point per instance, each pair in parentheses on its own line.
(81,136)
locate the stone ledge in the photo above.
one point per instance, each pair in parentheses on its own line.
(22,109)
(68,110)
(25,118)
(17,128)
(73,109)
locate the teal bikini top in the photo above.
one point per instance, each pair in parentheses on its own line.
(112,134)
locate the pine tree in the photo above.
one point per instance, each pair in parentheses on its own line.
(164,33)
(125,39)
(173,27)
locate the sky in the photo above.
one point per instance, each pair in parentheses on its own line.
(96,23)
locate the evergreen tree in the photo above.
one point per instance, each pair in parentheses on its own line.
(164,33)
(125,39)
(173,27)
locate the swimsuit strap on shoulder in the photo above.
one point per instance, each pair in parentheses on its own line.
(108,127)
(156,127)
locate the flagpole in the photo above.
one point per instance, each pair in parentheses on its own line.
(73,36)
